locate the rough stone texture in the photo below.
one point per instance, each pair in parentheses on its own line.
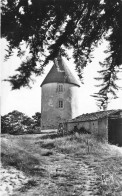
(106,125)
(91,126)
(51,114)
(103,128)
(10,180)
(99,126)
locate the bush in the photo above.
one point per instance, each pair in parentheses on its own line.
(82,130)
(17,123)
(100,137)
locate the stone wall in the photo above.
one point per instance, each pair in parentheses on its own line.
(99,128)
(91,126)
(103,128)
(51,114)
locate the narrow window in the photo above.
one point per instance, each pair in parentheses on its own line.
(60,104)
(60,88)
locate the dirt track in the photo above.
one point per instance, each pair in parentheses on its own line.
(65,169)
(65,176)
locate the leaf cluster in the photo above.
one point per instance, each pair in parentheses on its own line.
(48,27)
(16,122)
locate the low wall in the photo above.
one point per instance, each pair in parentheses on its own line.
(91,126)
(98,128)
(103,128)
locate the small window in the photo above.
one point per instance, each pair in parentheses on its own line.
(60,104)
(60,88)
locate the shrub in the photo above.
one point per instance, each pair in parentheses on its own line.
(17,123)
(100,137)
(82,130)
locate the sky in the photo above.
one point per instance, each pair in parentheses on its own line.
(28,100)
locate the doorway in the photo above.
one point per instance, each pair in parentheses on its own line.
(115,131)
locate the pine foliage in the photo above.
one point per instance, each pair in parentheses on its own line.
(50,26)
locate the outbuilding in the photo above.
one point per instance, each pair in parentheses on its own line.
(105,124)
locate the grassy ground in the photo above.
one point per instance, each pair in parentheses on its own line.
(66,166)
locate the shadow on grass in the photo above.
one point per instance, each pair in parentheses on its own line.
(50,136)
(28,185)
(24,162)
(49,145)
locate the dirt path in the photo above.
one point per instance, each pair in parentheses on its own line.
(59,167)
(72,176)
(66,176)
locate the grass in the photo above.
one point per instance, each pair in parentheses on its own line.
(19,153)
(66,165)
(104,158)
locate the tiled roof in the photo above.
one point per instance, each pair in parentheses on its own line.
(60,73)
(94,115)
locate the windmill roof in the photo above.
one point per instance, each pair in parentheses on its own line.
(60,73)
(94,115)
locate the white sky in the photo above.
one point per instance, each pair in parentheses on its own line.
(28,100)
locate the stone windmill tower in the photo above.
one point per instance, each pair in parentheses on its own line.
(58,96)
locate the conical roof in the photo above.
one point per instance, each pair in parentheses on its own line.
(60,73)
